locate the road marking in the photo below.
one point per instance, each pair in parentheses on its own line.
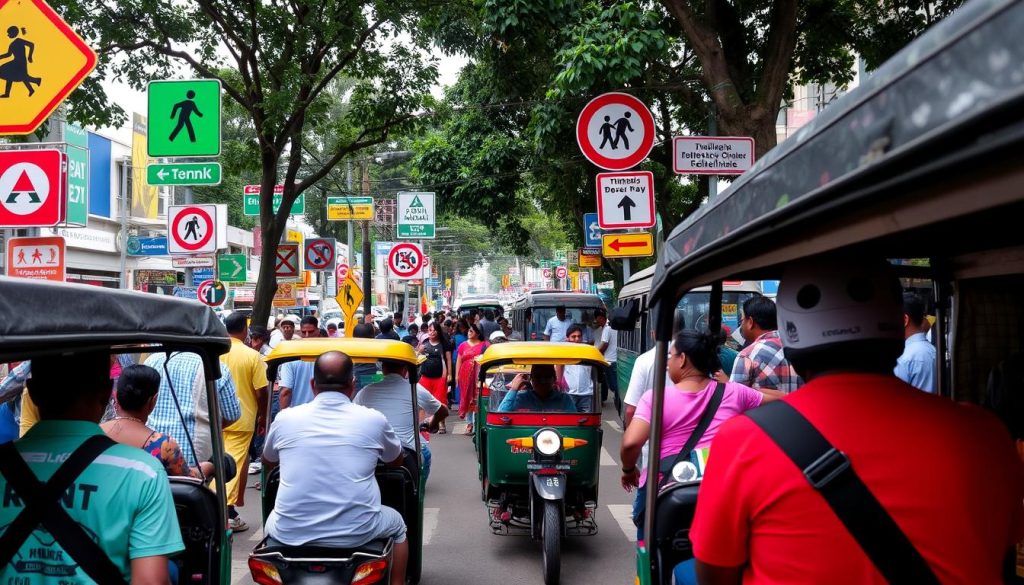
(623,514)
(606,458)
(430,516)
(614,424)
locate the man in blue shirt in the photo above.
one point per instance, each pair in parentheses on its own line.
(917,364)
(541,398)
(557,326)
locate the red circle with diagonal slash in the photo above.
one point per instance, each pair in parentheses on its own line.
(393,259)
(311,246)
(192,211)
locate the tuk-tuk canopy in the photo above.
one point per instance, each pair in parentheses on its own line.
(528,353)
(361,350)
(44,318)
(919,158)
(555,298)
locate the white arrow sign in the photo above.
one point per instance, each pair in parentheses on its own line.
(238,268)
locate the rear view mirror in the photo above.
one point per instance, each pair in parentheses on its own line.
(624,317)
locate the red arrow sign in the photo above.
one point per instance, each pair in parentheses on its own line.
(617,245)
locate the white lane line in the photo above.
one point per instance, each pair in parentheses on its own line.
(457,429)
(430,516)
(240,572)
(256,536)
(623,514)
(606,458)
(614,424)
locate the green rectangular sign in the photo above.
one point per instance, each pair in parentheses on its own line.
(231,268)
(184,117)
(206,173)
(251,204)
(78,174)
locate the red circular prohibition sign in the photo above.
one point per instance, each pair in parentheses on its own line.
(615,164)
(394,251)
(192,211)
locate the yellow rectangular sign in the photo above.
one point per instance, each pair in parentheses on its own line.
(284,296)
(627,245)
(590,260)
(346,208)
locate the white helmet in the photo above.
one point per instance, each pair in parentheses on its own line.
(837,299)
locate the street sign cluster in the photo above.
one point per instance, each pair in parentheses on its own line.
(616,132)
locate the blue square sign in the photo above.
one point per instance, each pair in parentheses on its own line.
(591,231)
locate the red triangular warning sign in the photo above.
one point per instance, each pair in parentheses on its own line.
(24,184)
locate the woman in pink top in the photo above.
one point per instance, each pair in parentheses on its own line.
(692,361)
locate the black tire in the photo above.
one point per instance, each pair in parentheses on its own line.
(551,535)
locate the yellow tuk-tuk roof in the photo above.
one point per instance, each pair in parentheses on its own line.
(541,352)
(361,350)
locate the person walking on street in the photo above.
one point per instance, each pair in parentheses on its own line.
(579,378)
(437,370)
(294,377)
(184,371)
(606,340)
(249,373)
(466,367)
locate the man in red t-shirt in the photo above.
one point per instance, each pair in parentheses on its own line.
(947,473)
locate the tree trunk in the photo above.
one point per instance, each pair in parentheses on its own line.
(266,283)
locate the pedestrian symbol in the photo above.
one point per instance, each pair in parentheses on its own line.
(21,52)
(190,228)
(620,127)
(184,110)
(184,118)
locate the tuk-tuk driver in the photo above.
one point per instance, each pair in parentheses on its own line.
(536,394)
(328,450)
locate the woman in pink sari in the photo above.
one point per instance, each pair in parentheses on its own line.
(465,365)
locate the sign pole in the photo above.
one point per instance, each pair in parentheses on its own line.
(625,271)
(713,131)
(123,200)
(188,270)
(367,259)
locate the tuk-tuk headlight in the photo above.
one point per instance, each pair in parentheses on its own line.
(547,442)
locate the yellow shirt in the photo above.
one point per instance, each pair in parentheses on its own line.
(249,373)
(29,413)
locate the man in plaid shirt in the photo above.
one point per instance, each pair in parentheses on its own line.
(762,365)
(185,372)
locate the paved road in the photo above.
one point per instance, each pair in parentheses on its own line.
(458,545)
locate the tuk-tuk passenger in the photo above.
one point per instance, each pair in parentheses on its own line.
(536,394)
(328,450)
(116,514)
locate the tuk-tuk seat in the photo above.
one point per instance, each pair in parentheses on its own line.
(199,519)
(675,508)
(314,551)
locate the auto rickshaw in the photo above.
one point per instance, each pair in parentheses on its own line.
(42,318)
(401,488)
(539,470)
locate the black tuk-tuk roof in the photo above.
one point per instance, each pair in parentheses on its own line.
(41,317)
(554,298)
(944,118)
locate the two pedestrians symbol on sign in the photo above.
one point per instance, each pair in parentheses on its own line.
(620,127)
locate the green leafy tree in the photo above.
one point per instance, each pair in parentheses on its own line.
(283,56)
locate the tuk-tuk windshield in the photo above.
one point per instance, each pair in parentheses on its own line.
(542,388)
(583,316)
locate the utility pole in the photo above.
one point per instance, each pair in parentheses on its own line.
(123,201)
(348,225)
(189,281)
(367,266)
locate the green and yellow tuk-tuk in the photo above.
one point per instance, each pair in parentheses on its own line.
(921,166)
(42,318)
(530,313)
(401,488)
(538,464)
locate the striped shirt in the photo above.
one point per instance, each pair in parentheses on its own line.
(185,373)
(763,365)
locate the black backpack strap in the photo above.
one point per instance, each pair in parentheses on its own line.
(829,471)
(42,506)
(667,463)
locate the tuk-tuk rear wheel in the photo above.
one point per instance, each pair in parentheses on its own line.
(551,536)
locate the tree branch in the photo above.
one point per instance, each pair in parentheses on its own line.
(778,53)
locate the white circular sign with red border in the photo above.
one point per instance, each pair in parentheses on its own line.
(447,293)
(341,271)
(615,131)
(192,229)
(405,261)
(319,254)
(561,272)
(546,273)
(212,293)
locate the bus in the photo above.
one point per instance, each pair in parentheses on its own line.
(922,166)
(694,309)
